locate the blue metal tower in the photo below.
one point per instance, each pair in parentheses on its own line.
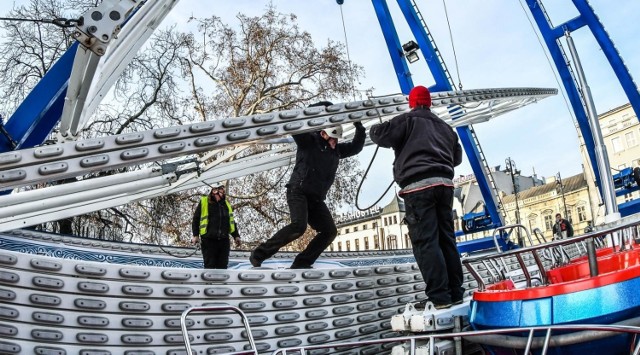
(552,35)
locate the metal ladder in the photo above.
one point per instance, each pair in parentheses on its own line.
(433,43)
(485,164)
(245,321)
(487,173)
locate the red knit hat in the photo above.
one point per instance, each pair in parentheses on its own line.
(419,96)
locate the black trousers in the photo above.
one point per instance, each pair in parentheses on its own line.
(430,222)
(215,252)
(304,210)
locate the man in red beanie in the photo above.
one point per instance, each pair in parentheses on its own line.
(426,151)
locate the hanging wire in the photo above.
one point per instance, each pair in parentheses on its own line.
(170,253)
(344,30)
(455,57)
(370,164)
(546,54)
(60,21)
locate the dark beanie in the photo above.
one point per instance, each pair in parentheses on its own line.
(419,96)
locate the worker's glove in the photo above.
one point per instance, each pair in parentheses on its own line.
(237,242)
(358,125)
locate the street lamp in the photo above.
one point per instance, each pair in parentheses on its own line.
(511,166)
(560,190)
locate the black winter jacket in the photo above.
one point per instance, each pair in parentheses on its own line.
(219,225)
(317,163)
(424,145)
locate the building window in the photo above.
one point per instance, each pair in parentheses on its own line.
(339,246)
(357,244)
(376,244)
(364,227)
(392,241)
(346,231)
(366,243)
(582,213)
(331,247)
(616,143)
(548,222)
(375,224)
(395,219)
(386,223)
(407,240)
(630,137)
(348,245)
(355,229)
(532,221)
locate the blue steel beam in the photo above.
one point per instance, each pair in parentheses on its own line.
(393,45)
(552,35)
(40,111)
(611,53)
(443,83)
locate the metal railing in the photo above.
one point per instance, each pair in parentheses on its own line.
(619,237)
(531,341)
(221,308)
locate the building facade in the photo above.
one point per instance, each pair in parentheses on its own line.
(374,229)
(536,207)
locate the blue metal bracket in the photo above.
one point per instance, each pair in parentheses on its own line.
(40,111)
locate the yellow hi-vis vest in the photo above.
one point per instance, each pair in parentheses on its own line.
(204,216)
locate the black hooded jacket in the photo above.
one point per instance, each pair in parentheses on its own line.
(424,145)
(317,163)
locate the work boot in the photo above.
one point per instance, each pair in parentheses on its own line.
(442,306)
(296,266)
(255,262)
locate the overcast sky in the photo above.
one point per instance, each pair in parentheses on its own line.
(496,46)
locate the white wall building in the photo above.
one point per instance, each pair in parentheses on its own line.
(374,229)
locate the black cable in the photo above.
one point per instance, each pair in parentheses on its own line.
(362,181)
(453,47)
(369,167)
(60,21)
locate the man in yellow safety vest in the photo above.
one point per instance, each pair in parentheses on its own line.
(212,224)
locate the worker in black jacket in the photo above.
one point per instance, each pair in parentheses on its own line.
(426,151)
(212,224)
(317,161)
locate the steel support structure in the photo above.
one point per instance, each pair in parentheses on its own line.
(443,82)
(552,35)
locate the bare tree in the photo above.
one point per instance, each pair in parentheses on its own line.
(266,64)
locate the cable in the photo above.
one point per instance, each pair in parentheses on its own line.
(370,164)
(555,75)
(344,30)
(60,21)
(362,181)
(455,57)
(197,247)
